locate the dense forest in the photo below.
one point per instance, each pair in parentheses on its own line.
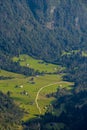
(10,113)
(43,29)
(25,27)
(54,31)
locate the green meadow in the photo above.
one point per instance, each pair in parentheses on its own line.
(84,53)
(40,65)
(24,89)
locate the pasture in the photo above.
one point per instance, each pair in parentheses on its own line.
(40,65)
(24,89)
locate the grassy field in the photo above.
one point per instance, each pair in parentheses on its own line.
(40,65)
(24,89)
(68,53)
(84,53)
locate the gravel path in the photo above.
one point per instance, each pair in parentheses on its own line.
(36,99)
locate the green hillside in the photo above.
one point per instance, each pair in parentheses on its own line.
(24,89)
(40,65)
(43,64)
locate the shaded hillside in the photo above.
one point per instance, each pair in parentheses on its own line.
(10,114)
(42,28)
(74,116)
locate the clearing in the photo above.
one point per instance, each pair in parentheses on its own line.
(30,92)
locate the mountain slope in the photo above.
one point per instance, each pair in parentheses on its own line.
(55,31)
(42,28)
(10,113)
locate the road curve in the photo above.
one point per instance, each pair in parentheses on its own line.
(36,99)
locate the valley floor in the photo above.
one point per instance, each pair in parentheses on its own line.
(30,92)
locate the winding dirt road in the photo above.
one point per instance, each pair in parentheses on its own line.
(36,99)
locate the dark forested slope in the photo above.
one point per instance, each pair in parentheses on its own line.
(10,114)
(43,28)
